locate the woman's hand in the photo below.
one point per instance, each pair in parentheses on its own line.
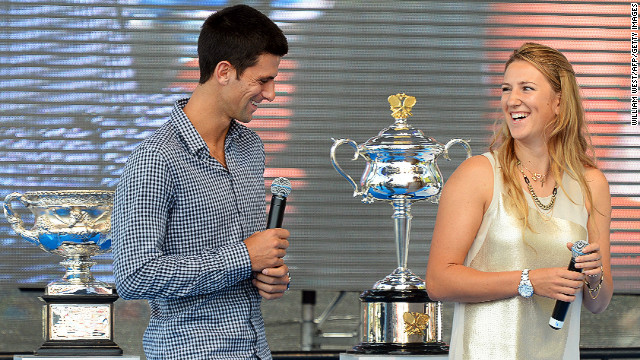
(556,283)
(591,262)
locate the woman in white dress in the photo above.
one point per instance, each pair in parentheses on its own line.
(507,220)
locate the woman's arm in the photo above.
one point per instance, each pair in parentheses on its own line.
(465,198)
(599,252)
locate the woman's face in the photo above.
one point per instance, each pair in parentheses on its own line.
(528,101)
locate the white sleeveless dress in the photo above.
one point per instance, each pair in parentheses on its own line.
(518,328)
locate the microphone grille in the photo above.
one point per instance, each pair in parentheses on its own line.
(281,186)
(576,249)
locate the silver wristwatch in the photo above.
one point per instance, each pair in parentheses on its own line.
(525,289)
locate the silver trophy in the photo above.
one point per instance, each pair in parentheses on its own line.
(75,224)
(398,316)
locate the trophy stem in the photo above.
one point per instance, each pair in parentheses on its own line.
(402,278)
(402,226)
(78,279)
(78,270)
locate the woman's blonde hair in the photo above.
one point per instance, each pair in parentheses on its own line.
(568,140)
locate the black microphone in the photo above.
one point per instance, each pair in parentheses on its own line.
(280,189)
(560,310)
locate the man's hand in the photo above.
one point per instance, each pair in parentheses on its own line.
(272,282)
(267,248)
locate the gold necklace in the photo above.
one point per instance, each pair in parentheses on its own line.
(536,200)
(536,176)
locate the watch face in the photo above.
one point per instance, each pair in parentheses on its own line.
(525,290)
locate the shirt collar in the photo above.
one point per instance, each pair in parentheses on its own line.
(190,136)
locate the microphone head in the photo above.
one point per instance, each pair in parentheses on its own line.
(576,249)
(281,187)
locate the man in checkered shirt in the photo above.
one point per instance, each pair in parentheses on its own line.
(190,213)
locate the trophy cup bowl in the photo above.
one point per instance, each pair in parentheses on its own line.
(401,168)
(75,224)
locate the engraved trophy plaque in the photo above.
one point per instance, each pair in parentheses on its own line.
(397,315)
(78,310)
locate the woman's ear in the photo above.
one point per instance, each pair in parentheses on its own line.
(556,104)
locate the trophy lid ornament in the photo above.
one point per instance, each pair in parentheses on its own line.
(401,105)
(401,135)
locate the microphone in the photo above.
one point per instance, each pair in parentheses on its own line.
(280,189)
(560,309)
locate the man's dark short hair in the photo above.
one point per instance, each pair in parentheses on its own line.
(238,34)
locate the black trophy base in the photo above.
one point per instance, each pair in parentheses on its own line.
(408,296)
(79,348)
(401,349)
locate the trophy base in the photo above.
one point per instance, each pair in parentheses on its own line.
(400,322)
(78,325)
(79,348)
(65,287)
(401,349)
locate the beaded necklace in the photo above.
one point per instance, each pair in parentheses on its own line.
(536,200)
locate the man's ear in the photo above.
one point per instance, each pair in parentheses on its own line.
(223,72)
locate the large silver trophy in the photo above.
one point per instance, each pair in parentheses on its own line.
(78,310)
(397,315)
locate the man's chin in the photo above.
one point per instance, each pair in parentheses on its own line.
(244,120)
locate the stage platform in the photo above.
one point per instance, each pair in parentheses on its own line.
(585,353)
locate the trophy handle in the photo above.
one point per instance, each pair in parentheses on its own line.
(464,143)
(334,162)
(15,220)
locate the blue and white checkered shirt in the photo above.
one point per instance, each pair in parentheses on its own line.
(178,226)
